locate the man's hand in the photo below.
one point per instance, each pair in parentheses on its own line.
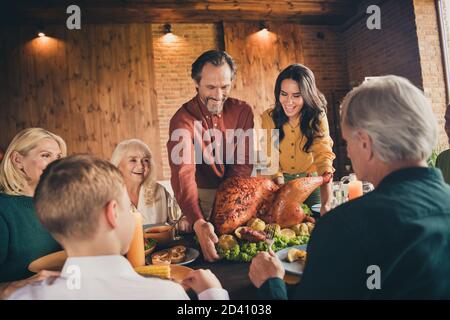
(324,208)
(264,266)
(200,280)
(184,225)
(279,180)
(207,238)
(326,194)
(6,289)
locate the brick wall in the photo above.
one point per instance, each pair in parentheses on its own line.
(407,45)
(326,58)
(431,60)
(173,59)
(390,50)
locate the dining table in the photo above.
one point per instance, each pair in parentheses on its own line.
(233,275)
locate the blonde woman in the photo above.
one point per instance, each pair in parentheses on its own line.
(134,159)
(22,237)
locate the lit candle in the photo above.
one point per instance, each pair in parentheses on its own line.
(136,253)
(355,189)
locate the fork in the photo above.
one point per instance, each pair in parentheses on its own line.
(270,234)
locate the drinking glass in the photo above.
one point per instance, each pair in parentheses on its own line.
(367,187)
(338,194)
(354,186)
(174,213)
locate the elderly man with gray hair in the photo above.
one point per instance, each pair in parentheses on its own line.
(394,242)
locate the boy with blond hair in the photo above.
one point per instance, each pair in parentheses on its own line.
(84,204)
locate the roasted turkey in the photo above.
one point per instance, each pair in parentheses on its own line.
(239,199)
(286,209)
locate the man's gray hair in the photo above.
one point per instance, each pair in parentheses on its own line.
(396,115)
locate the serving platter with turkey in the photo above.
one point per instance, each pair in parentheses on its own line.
(240,199)
(246,208)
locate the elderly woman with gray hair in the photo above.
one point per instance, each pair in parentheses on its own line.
(394,242)
(134,159)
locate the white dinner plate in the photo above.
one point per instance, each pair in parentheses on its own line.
(191,255)
(295,267)
(316,208)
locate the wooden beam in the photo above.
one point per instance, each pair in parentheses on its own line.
(188,11)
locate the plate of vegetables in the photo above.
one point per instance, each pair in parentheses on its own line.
(236,247)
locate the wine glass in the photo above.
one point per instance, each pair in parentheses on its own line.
(367,187)
(338,194)
(174,213)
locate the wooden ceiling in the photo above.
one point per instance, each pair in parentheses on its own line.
(331,12)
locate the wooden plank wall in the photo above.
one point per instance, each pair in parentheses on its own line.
(94,87)
(260,58)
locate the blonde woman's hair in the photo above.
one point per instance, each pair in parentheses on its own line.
(72,192)
(12,180)
(396,115)
(149,183)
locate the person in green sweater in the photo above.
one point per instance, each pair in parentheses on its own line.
(22,237)
(394,242)
(443,160)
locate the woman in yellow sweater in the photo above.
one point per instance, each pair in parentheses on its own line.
(304,142)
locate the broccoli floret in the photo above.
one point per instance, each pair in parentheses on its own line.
(306,210)
(148,243)
(261,246)
(246,257)
(221,252)
(234,253)
(280,242)
(295,241)
(251,249)
(299,240)
(304,239)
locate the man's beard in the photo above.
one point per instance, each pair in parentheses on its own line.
(217,107)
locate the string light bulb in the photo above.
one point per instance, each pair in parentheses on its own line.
(40,30)
(263,26)
(167,28)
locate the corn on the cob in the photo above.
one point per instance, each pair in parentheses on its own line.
(161,271)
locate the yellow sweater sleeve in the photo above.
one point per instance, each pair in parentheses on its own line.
(322,149)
